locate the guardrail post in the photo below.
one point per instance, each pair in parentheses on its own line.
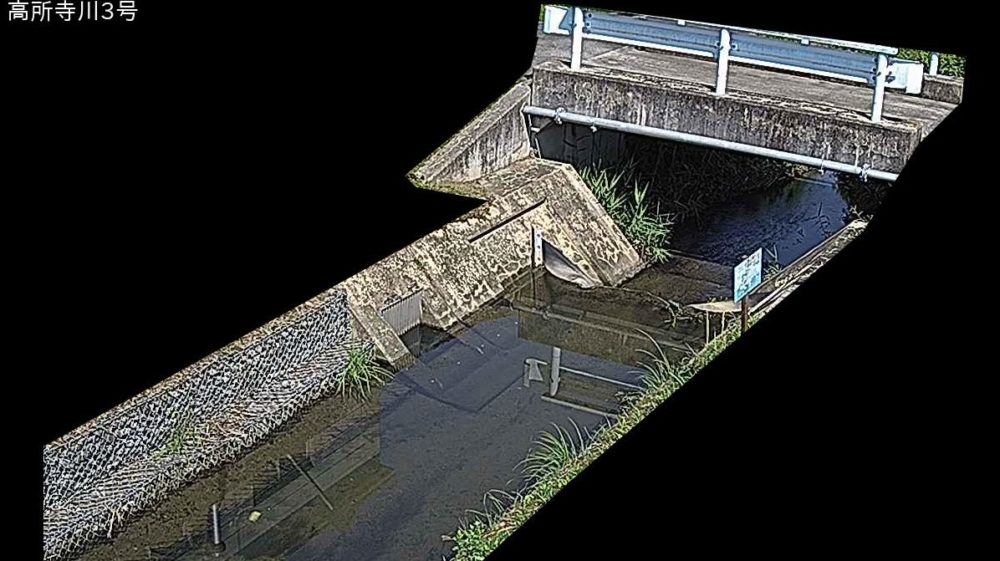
(880,72)
(723,71)
(577,39)
(935,59)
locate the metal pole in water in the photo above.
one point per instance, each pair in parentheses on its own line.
(215,524)
(216,536)
(723,70)
(880,72)
(935,59)
(554,377)
(577,54)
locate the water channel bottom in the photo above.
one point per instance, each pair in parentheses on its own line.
(386,480)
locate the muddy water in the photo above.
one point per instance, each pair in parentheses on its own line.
(786,221)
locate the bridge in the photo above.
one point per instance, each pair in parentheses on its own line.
(814,101)
(846,106)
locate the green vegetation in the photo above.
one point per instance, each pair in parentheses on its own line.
(558,458)
(175,443)
(552,451)
(362,374)
(949,65)
(646,229)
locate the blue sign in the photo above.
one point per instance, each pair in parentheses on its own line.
(746,276)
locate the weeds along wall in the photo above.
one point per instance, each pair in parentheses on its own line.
(131,457)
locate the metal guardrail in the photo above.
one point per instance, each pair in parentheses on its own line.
(803,39)
(868,64)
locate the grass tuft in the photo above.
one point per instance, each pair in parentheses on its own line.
(362,374)
(553,452)
(646,228)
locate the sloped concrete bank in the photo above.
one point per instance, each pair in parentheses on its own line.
(128,459)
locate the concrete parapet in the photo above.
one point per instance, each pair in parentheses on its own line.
(494,139)
(943,88)
(821,131)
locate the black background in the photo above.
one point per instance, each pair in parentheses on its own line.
(175,182)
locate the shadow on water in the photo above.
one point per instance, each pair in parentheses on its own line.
(786,221)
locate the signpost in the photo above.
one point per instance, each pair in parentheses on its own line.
(746,277)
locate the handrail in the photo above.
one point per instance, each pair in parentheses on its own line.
(559,116)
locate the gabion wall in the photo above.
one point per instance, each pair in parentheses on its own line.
(132,456)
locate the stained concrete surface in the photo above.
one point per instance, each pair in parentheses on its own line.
(751,80)
(783,123)
(473,259)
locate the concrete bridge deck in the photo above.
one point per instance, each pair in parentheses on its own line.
(926,113)
(801,115)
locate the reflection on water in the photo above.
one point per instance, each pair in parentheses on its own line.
(386,480)
(787,221)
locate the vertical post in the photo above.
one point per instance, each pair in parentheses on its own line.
(723,70)
(935,59)
(744,312)
(215,524)
(216,537)
(577,39)
(536,247)
(537,259)
(554,377)
(707,337)
(880,71)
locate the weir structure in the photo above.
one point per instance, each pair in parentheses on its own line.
(125,460)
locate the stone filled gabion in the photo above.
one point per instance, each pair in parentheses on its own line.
(131,457)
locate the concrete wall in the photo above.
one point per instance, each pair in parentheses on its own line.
(472,260)
(943,88)
(475,258)
(496,138)
(132,456)
(782,124)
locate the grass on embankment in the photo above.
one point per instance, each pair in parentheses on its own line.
(646,228)
(558,457)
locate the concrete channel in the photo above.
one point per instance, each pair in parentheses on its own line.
(531,310)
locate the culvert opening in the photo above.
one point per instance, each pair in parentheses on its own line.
(421,339)
(720,205)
